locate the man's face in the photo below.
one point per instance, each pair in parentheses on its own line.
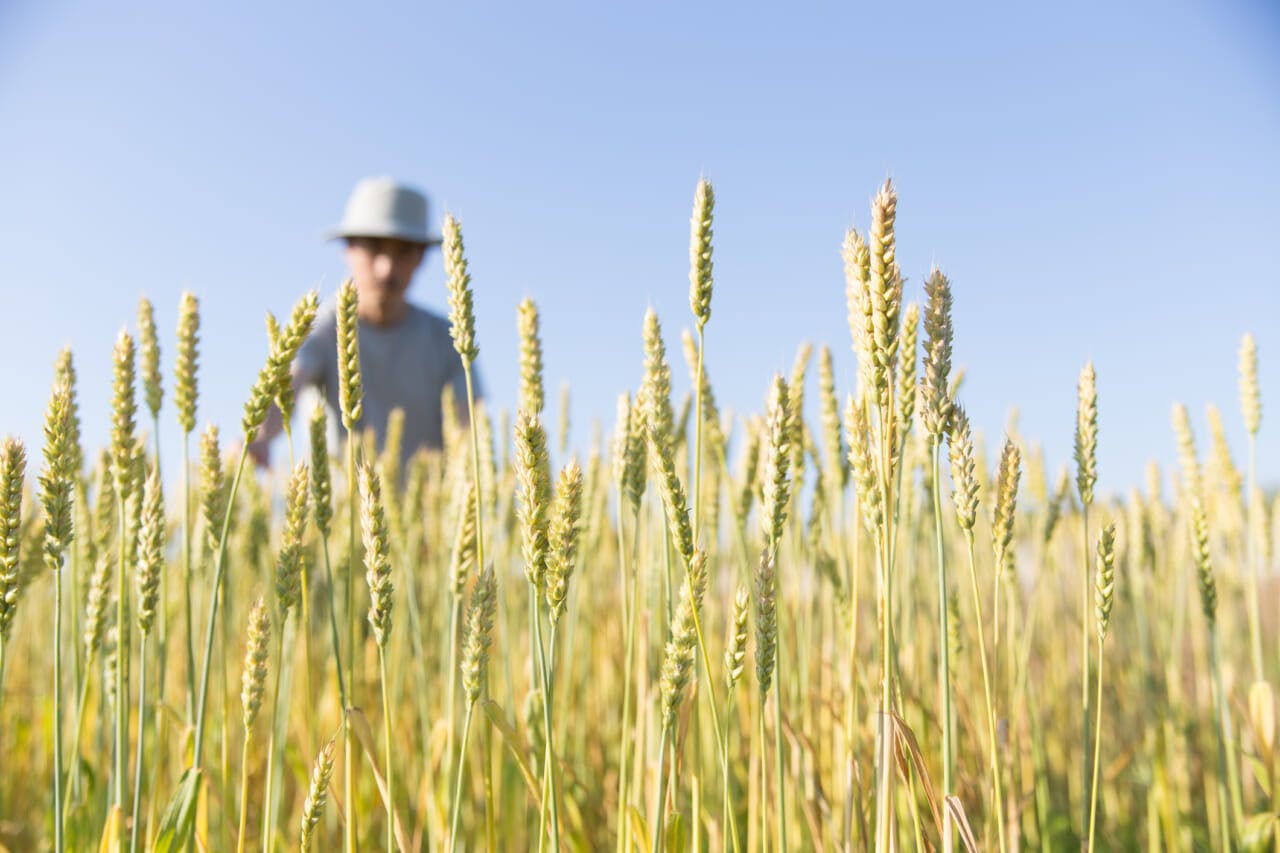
(382,268)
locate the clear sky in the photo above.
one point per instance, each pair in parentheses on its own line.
(1100,180)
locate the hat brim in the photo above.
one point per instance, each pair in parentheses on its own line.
(339,233)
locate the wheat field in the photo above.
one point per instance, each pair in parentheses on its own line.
(704,632)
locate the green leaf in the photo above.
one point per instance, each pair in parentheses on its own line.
(1259,832)
(640,836)
(178,820)
(516,745)
(111,833)
(954,808)
(1261,772)
(364,736)
(676,832)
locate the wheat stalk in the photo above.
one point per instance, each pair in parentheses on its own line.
(475,661)
(965,497)
(677,666)
(56,495)
(628,468)
(289,570)
(775,497)
(185,392)
(535,490)
(884,284)
(322,507)
(1229,818)
(351,405)
(462,330)
(1251,409)
(123,408)
(150,564)
(461,565)
(935,417)
(377,561)
(253,680)
(1086,444)
(1104,599)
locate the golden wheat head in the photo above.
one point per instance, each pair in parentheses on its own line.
(704,202)
(462,321)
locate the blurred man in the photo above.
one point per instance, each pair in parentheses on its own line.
(406,353)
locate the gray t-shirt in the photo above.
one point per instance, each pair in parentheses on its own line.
(405,365)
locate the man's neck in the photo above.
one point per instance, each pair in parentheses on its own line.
(384,316)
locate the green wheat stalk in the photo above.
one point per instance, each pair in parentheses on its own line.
(475,662)
(935,417)
(123,409)
(56,495)
(351,405)
(253,680)
(377,562)
(965,498)
(1086,445)
(289,571)
(185,393)
(1251,409)
(1104,598)
(462,330)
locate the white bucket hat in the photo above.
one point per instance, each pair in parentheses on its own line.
(380,207)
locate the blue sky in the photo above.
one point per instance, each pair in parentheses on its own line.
(1099,180)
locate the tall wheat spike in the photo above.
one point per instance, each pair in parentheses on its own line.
(60,478)
(149,353)
(13,464)
(700,265)
(1251,409)
(185,386)
(462,321)
(350,385)
(1086,445)
(123,409)
(1104,599)
(532,396)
